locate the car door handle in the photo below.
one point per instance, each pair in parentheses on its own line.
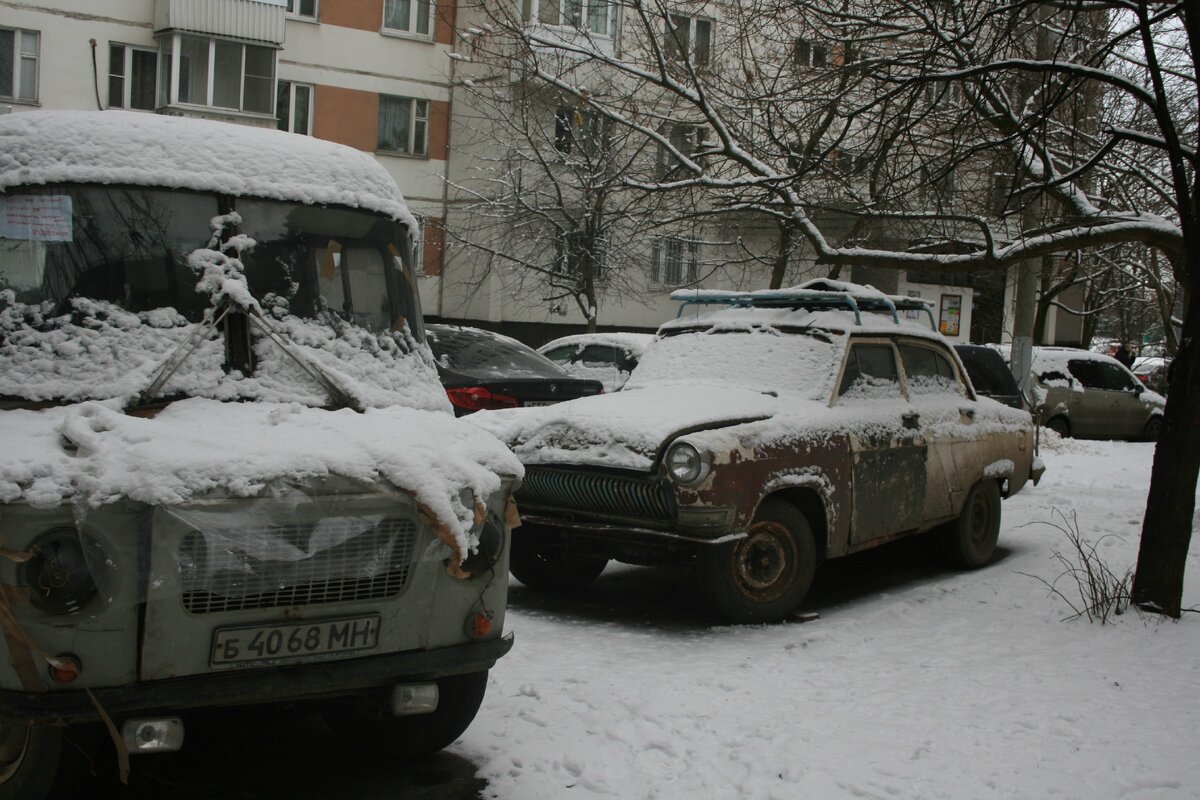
(911,419)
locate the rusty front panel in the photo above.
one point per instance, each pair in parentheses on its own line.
(742,477)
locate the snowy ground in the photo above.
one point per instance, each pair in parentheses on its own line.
(916,681)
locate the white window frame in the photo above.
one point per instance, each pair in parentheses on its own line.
(292,87)
(689,139)
(171,58)
(576,14)
(415,121)
(693,23)
(23,63)
(293,6)
(689,260)
(413,29)
(127,51)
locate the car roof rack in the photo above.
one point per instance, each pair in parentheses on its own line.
(812,295)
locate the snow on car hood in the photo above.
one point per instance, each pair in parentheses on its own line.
(92,454)
(624,429)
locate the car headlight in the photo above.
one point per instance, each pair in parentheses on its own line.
(685,464)
(58,576)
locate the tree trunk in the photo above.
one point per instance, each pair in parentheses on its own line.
(1167,527)
(779,269)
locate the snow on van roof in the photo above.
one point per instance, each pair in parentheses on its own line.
(126,147)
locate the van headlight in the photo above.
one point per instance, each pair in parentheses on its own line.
(58,576)
(487,553)
(686,464)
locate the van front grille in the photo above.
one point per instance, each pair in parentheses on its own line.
(336,560)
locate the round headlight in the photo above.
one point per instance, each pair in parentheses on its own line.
(58,576)
(684,463)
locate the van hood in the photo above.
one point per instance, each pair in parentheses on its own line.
(626,429)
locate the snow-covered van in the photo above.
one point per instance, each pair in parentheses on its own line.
(229,475)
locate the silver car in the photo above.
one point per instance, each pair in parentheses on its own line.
(1093,396)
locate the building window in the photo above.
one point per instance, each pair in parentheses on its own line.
(674,261)
(293,107)
(688,39)
(218,73)
(689,140)
(597,17)
(403,125)
(582,130)
(132,77)
(18,64)
(809,54)
(302,8)
(408,16)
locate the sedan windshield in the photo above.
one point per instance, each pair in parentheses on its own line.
(763,358)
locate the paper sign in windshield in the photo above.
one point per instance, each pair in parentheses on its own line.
(36,217)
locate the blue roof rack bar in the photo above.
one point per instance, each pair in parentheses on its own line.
(805,298)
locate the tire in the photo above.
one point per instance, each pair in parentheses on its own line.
(765,576)
(459,698)
(547,570)
(1060,426)
(970,540)
(29,760)
(1152,430)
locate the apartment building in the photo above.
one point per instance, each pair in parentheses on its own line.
(380,76)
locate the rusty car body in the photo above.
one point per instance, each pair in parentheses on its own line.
(757,440)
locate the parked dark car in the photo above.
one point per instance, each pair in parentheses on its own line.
(989,374)
(482,370)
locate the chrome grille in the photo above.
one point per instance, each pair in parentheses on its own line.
(603,494)
(237,571)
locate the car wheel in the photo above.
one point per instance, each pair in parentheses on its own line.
(970,540)
(1152,430)
(548,570)
(766,575)
(38,761)
(459,698)
(1060,426)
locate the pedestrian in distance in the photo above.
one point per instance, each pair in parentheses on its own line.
(1125,355)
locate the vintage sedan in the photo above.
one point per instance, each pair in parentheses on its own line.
(757,440)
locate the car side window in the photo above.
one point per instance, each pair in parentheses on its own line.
(598,356)
(560,355)
(929,372)
(870,372)
(1118,379)
(1088,373)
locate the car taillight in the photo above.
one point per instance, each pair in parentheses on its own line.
(478,398)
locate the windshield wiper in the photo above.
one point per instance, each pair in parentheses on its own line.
(339,396)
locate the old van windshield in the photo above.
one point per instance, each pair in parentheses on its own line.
(130,247)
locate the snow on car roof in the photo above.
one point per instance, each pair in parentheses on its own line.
(1047,358)
(130,148)
(769,307)
(628,340)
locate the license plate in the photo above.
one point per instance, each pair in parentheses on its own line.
(540,402)
(294,641)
